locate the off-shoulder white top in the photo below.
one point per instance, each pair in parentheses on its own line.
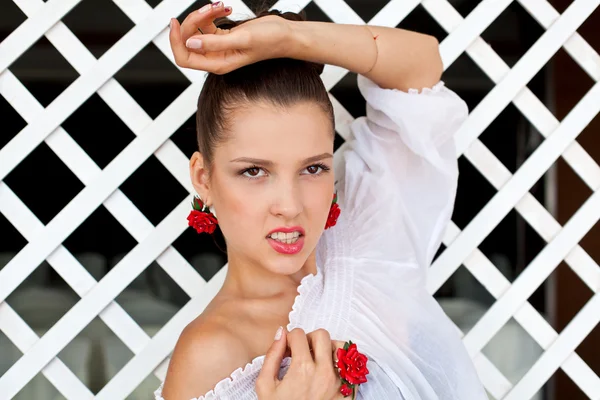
(396,187)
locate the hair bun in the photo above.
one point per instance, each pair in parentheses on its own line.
(317,67)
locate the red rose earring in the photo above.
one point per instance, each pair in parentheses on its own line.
(200,219)
(334,213)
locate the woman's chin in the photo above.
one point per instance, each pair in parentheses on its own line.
(284,264)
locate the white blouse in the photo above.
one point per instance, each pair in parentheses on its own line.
(396,189)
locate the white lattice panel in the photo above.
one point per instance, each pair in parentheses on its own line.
(45,242)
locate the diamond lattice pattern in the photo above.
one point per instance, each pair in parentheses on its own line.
(154,243)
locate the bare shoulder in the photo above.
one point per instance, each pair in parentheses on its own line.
(206,353)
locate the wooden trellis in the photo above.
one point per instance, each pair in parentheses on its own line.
(154,242)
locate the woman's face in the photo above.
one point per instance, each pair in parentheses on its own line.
(274,172)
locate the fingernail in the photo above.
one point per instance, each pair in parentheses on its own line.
(217,4)
(193,43)
(227,9)
(204,9)
(279,333)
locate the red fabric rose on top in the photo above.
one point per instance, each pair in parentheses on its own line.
(334,213)
(352,364)
(201,221)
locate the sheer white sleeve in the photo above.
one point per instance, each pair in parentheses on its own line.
(400,172)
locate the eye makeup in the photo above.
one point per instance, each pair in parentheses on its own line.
(324,169)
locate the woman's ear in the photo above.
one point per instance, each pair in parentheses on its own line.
(199,176)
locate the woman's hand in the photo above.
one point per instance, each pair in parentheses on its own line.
(221,50)
(311,375)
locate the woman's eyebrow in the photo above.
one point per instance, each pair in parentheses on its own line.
(268,163)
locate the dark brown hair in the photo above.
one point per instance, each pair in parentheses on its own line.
(282,82)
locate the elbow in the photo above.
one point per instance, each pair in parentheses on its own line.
(429,67)
(436,64)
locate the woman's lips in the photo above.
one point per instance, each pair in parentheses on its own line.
(285,248)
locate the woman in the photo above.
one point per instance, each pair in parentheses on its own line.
(264,168)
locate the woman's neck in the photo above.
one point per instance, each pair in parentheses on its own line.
(248,280)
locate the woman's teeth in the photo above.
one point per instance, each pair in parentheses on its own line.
(287,238)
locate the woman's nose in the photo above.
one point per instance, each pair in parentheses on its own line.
(287,201)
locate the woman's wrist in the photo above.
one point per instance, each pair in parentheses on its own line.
(348,46)
(298,41)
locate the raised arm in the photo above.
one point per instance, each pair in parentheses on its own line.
(393,58)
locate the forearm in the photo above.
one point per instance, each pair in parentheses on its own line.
(397,58)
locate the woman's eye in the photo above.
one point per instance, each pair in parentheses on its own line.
(252,172)
(313,169)
(317,169)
